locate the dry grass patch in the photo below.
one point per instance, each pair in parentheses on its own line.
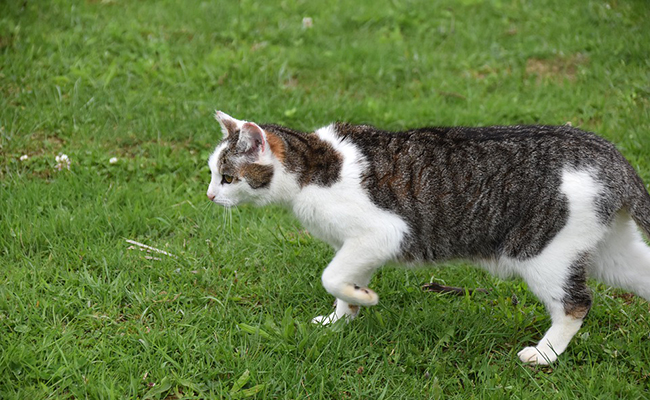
(558,69)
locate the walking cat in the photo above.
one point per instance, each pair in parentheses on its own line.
(550,204)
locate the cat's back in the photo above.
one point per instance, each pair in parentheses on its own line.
(517,137)
(478,191)
(519,150)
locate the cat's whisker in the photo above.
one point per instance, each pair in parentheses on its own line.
(226,219)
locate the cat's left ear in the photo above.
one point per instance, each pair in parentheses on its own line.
(252,139)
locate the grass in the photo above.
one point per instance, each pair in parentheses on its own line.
(84,316)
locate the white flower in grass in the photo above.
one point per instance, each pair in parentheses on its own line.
(24,157)
(62,161)
(307,23)
(113,160)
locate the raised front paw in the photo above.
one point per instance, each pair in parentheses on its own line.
(534,356)
(362,296)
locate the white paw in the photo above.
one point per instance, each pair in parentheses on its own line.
(360,295)
(326,319)
(369,296)
(534,356)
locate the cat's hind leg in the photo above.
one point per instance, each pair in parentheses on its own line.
(567,299)
(623,259)
(558,275)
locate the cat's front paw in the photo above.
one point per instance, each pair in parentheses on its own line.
(329,319)
(534,356)
(362,296)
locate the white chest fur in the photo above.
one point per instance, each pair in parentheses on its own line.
(344,211)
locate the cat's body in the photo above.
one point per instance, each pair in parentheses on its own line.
(549,204)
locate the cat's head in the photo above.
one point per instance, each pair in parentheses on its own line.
(242,165)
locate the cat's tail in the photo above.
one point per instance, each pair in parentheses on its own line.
(639,206)
(622,258)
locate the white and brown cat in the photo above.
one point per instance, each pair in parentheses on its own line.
(550,204)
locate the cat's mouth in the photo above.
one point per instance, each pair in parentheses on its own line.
(224,203)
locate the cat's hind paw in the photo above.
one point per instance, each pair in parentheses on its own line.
(533,356)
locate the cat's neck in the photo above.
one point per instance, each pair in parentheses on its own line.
(308,158)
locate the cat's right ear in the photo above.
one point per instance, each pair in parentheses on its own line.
(252,140)
(228,123)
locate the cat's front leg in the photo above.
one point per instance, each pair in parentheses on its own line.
(347,277)
(348,274)
(343,310)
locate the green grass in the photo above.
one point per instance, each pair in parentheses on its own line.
(84,316)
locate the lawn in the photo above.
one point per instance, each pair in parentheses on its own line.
(127,90)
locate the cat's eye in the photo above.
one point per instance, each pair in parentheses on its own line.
(227,179)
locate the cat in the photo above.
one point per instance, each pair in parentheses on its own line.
(550,204)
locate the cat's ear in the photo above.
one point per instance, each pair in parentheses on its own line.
(228,123)
(252,139)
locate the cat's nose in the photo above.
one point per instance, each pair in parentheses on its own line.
(211,196)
